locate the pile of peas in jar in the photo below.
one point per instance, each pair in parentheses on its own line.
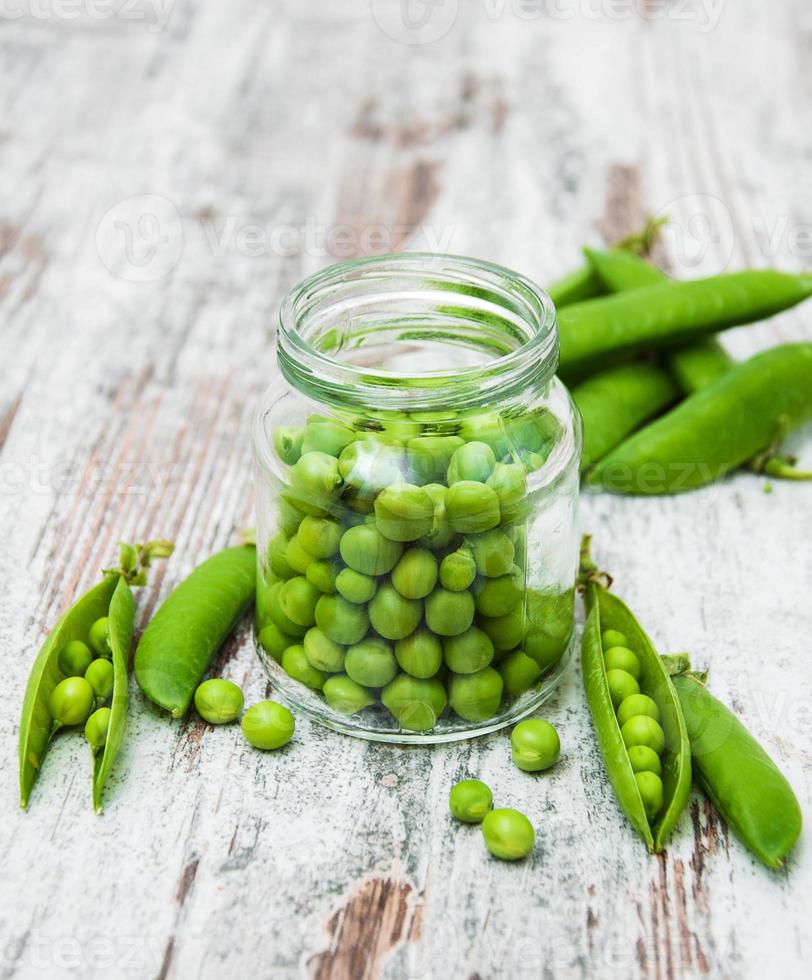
(397,573)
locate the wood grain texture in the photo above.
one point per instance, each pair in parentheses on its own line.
(165,181)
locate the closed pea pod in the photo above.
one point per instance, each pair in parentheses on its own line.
(669,314)
(190,626)
(743,782)
(110,600)
(717,429)
(692,367)
(639,802)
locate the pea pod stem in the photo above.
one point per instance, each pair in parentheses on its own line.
(605,611)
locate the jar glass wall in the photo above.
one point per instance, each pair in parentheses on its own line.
(417,483)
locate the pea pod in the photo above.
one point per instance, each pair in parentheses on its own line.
(111,599)
(743,782)
(743,413)
(586,282)
(692,367)
(669,315)
(605,612)
(617,401)
(190,626)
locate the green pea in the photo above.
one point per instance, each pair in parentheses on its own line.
(326,437)
(621,686)
(392,615)
(99,638)
(100,676)
(71,701)
(519,672)
(505,632)
(290,517)
(297,557)
(458,570)
(298,599)
(469,652)
(278,615)
(314,481)
(621,658)
(428,457)
(498,596)
(493,553)
(471,507)
(487,428)
(449,613)
(550,624)
(404,512)
(415,703)
(642,730)
(473,461)
(355,586)
(74,658)
(371,663)
(273,641)
(637,704)
(342,621)
(96,728)
(441,535)
(508,834)
(420,655)
(345,696)
(415,575)
(530,461)
(369,465)
(534,745)
(268,725)
(320,536)
(323,575)
(645,759)
(366,550)
(218,701)
(287,441)
(476,697)
(296,665)
(509,483)
(277,557)
(613,638)
(651,792)
(470,800)
(323,653)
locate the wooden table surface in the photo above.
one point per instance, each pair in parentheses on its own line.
(168,172)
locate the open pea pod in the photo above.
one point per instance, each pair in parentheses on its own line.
(607,612)
(111,599)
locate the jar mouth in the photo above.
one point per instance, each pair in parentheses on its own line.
(415,330)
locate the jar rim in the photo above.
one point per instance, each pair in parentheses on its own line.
(530,321)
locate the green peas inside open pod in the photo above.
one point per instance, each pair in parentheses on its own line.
(96,728)
(71,701)
(74,658)
(99,637)
(100,676)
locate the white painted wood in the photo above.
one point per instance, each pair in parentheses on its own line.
(125,398)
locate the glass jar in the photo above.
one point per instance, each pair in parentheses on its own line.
(417,484)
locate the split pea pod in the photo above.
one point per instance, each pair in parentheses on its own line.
(599,332)
(742,781)
(190,626)
(66,682)
(744,412)
(635,712)
(692,367)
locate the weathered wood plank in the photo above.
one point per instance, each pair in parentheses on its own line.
(259,143)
